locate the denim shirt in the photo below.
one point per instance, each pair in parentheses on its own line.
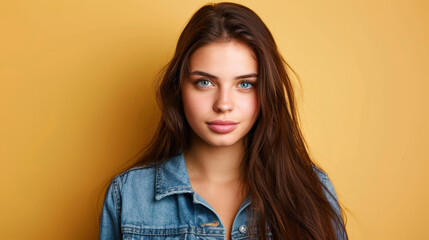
(158,202)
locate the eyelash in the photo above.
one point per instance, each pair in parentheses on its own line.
(205,79)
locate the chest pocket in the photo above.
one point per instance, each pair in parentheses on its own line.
(140,237)
(180,233)
(147,237)
(139,233)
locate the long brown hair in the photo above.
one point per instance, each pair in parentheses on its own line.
(286,194)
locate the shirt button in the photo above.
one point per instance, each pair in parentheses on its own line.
(242,229)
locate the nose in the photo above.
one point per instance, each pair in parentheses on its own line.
(224,101)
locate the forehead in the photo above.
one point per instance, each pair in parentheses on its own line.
(224,58)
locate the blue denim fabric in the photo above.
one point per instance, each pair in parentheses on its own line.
(158,202)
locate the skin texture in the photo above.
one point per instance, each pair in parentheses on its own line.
(213,159)
(224,98)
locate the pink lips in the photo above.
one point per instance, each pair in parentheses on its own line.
(222,126)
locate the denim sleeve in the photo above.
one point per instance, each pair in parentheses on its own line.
(332,198)
(110,227)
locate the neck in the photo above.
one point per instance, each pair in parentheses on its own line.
(214,164)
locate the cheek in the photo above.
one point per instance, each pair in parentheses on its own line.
(194,105)
(249,105)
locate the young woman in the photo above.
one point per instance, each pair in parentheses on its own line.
(228,160)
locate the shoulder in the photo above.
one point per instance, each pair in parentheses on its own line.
(328,188)
(325,180)
(320,173)
(131,190)
(331,195)
(135,177)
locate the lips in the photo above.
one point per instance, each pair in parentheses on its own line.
(222,122)
(222,126)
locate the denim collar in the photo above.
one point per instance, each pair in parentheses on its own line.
(172,177)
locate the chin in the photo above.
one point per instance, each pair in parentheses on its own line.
(221,145)
(223,142)
(217,140)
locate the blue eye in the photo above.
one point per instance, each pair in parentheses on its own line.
(246,84)
(203,82)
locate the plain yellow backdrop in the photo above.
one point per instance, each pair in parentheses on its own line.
(77,102)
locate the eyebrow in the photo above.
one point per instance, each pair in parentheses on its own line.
(250,75)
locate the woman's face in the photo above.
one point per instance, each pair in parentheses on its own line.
(221,87)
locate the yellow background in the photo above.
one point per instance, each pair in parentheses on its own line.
(77,102)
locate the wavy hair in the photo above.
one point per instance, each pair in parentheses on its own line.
(286,194)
